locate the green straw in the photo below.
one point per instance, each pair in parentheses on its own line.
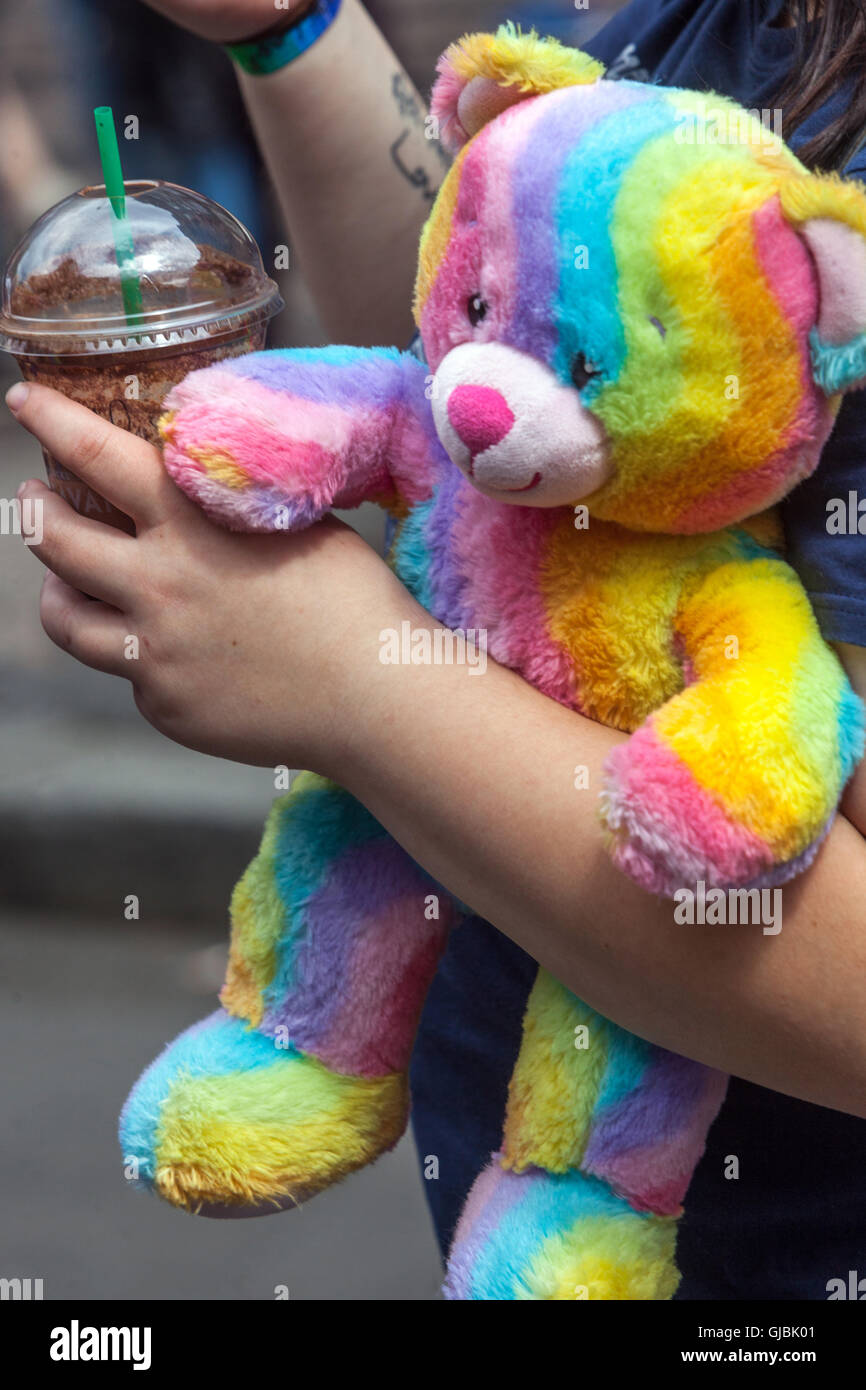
(112,177)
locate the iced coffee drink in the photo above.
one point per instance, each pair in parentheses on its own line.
(202,295)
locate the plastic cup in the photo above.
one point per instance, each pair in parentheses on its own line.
(204,297)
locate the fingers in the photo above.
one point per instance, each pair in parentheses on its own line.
(93,633)
(125,469)
(88,556)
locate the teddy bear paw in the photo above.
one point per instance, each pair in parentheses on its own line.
(225,1122)
(668,832)
(554,1237)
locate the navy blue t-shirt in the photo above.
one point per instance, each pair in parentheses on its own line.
(796,1217)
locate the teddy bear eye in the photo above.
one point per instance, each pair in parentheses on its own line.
(476,309)
(583,371)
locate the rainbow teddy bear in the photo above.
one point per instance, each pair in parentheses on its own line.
(637,330)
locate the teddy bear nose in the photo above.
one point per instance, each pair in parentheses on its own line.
(480,415)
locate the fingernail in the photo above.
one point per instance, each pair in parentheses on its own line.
(17,395)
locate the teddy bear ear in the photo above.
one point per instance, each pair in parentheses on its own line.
(482,74)
(830,215)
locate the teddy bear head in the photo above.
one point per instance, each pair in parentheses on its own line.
(632,297)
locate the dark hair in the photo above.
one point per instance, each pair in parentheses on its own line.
(830,49)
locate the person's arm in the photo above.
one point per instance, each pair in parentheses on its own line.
(348,107)
(493,813)
(473,773)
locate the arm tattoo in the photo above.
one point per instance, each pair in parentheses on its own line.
(411,110)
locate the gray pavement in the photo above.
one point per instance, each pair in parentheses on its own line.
(83,1008)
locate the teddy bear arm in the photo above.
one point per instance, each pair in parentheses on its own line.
(734,781)
(273,440)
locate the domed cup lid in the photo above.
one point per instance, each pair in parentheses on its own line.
(198,270)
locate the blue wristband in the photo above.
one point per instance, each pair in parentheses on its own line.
(266,55)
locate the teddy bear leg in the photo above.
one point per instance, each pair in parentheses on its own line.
(557,1236)
(301,1077)
(602,1134)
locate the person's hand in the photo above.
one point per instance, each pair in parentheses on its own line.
(248,647)
(228,21)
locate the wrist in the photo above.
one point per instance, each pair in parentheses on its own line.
(410,681)
(286,20)
(278,46)
(351,594)
(366,711)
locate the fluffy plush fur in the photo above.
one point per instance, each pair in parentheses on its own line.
(637,335)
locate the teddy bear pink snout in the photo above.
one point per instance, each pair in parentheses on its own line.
(514,429)
(480,415)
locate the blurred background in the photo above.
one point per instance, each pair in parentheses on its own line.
(94,805)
